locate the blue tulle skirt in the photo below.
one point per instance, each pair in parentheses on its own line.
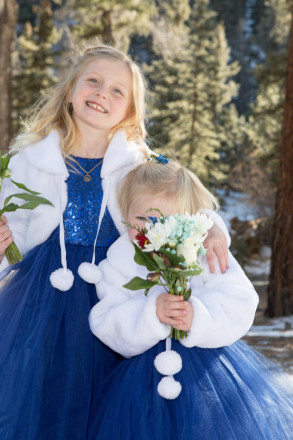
(51,365)
(227,393)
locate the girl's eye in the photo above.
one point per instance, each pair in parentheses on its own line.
(142,219)
(117,91)
(93,80)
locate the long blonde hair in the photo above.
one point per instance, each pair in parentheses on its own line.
(54,111)
(172,181)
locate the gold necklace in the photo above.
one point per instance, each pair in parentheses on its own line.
(87,177)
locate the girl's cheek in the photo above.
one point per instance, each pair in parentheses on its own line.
(132,233)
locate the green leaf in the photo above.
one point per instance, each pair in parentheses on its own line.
(144,259)
(160,261)
(4,163)
(195,271)
(173,258)
(22,186)
(33,200)
(187,295)
(9,208)
(187,272)
(138,283)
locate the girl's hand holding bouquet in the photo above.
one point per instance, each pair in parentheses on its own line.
(174,311)
(31,200)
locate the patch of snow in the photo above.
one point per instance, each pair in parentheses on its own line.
(238,205)
(258,267)
(278,327)
(271,333)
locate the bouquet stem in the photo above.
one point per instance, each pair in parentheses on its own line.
(13,254)
(177,334)
(185,292)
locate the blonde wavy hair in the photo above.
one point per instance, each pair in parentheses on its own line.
(172,181)
(54,111)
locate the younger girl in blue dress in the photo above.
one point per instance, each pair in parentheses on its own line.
(226,392)
(81,141)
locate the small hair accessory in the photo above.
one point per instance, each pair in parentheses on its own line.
(158,159)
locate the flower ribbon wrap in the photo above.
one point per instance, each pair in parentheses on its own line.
(169,247)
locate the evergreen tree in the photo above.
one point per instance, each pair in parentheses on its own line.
(280,299)
(264,123)
(8,20)
(111,21)
(192,90)
(35,60)
(241,18)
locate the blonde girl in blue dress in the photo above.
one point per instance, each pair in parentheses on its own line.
(80,141)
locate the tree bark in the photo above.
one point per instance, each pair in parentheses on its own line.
(8,20)
(280,290)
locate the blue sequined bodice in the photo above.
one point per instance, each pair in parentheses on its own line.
(82,212)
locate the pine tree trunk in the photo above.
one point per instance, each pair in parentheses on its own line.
(280,291)
(107,34)
(8,20)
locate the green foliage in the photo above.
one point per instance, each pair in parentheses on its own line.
(111,21)
(31,199)
(192,90)
(265,122)
(197,90)
(34,60)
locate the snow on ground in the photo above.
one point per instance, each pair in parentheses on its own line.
(262,265)
(276,328)
(236,204)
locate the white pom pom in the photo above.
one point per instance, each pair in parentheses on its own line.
(168,362)
(169,388)
(89,272)
(62,279)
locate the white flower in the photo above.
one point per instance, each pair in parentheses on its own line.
(203,222)
(157,236)
(189,253)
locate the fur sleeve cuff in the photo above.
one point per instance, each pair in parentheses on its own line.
(156,327)
(219,325)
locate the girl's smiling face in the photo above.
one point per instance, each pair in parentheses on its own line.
(102,95)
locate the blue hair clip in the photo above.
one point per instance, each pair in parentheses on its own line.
(158,159)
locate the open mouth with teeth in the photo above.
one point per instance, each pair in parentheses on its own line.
(96,107)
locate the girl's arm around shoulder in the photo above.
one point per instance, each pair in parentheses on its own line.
(125,320)
(224,306)
(217,242)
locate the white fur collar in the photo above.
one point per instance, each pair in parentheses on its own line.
(120,153)
(46,155)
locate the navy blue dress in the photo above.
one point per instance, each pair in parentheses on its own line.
(227,394)
(50,363)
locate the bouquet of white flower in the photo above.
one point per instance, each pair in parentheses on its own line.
(31,198)
(169,247)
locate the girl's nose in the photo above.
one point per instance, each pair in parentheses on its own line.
(101,92)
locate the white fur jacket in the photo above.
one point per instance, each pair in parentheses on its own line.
(41,168)
(224,305)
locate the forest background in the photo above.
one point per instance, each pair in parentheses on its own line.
(218,73)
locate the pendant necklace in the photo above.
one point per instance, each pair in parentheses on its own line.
(87,177)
